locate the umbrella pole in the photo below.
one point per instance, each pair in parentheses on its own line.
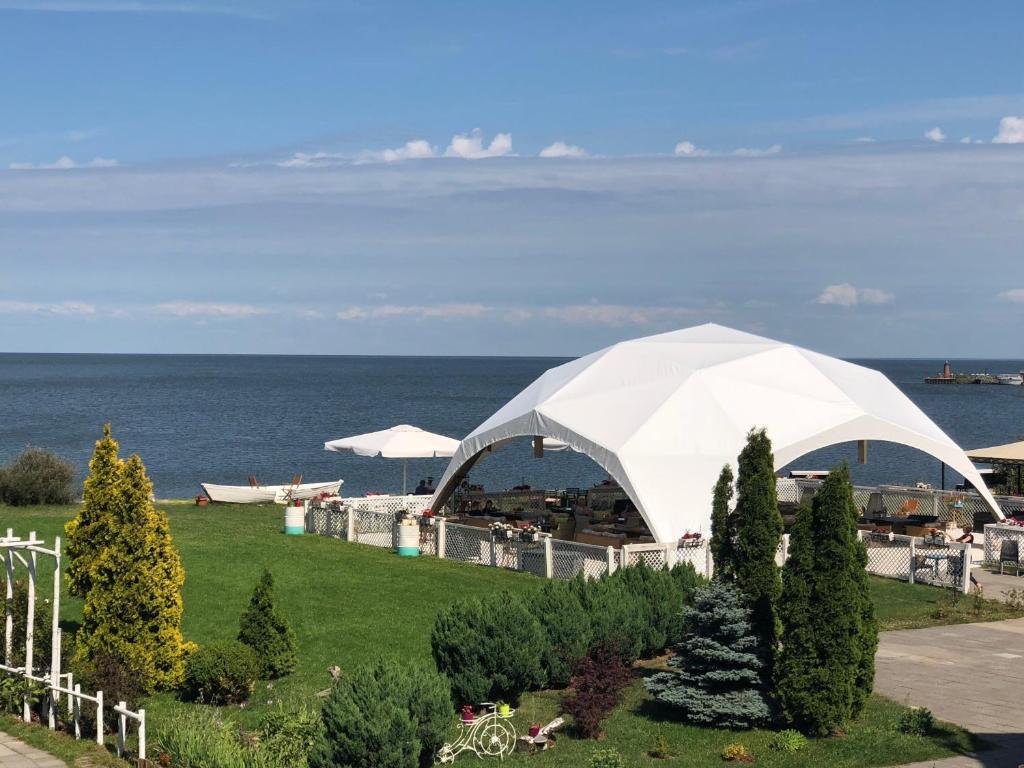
(405,474)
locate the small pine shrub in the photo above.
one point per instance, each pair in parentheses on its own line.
(788,741)
(916,721)
(687,581)
(617,619)
(37,477)
(490,649)
(595,690)
(660,750)
(263,629)
(566,628)
(660,603)
(222,672)
(19,612)
(737,753)
(607,758)
(383,716)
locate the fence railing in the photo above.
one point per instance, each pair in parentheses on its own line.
(901,557)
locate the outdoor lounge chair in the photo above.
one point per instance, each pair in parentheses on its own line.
(1009,554)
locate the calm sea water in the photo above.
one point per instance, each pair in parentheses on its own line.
(222,418)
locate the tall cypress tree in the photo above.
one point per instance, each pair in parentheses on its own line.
(266,631)
(826,666)
(723,527)
(758,532)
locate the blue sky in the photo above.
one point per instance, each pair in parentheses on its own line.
(509,178)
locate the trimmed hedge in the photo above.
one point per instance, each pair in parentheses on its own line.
(222,672)
(37,477)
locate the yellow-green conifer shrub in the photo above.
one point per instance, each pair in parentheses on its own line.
(133,603)
(92,530)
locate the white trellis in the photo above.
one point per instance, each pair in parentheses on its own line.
(25,552)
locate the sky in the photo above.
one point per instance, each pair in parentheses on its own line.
(495,178)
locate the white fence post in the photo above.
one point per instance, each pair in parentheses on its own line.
(494,551)
(549,560)
(142,734)
(122,727)
(30,624)
(99,718)
(785,548)
(441,535)
(9,611)
(624,561)
(611,559)
(913,554)
(670,556)
(350,532)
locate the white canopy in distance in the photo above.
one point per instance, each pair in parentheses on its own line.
(399,442)
(663,414)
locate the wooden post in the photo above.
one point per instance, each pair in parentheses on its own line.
(442,535)
(538,447)
(30,625)
(549,560)
(862,451)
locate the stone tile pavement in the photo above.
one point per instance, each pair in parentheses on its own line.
(15,754)
(969,674)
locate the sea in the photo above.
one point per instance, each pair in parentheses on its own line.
(220,419)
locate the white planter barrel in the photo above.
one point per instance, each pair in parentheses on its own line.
(408,540)
(294,520)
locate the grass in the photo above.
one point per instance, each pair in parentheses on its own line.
(350,603)
(59,744)
(899,605)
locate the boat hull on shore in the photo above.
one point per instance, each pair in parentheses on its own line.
(263,494)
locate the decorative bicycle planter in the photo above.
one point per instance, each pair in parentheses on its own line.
(488,735)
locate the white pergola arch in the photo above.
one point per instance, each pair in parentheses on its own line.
(663,414)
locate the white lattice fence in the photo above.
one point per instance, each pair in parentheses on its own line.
(995,535)
(653,555)
(532,558)
(375,528)
(467,543)
(889,555)
(696,555)
(568,559)
(389,504)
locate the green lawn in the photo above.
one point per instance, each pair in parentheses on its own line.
(350,603)
(909,606)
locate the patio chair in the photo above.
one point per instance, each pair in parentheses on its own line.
(1009,554)
(908,507)
(297,480)
(922,563)
(253,482)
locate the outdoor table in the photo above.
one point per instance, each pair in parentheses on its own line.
(935,557)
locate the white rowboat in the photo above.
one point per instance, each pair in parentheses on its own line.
(263,494)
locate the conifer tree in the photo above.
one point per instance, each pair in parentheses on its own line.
(91,531)
(131,573)
(723,526)
(719,667)
(758,532)
(264,630)
(826,665)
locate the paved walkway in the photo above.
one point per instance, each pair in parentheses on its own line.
(969,674)
(15,754)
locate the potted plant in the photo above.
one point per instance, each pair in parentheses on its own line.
(504,710)
(467,713)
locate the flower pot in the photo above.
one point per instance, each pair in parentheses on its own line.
(504,710)
(534,731)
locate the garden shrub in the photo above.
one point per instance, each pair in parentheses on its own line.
(566,630)
(384,715)
(660,603)
(736,753)
(687,581)
(222,672)
(123,562)
(264,630)
(917,721)
(617,620)
(660,750)
(788,741)
(491,649)
(607,758)
(595,690)
(37,477)
(42,636)
(108,673)
(723,527)
(718,669)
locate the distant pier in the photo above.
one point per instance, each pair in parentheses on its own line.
(948,377)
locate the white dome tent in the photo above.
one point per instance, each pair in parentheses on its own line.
(662,414)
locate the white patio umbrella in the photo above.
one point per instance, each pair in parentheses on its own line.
(400,442)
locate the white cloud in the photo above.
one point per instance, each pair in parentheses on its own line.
(774,149)
(1016,295)
(561,149)
(614,315)
(207,309)
(471,146)
(385,311)
(935,134)
(1011,131)
(416,149)
(846,295)
(39,308)
(310,160)
(64,163)
(865,140)
(689,149)
(126,6)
